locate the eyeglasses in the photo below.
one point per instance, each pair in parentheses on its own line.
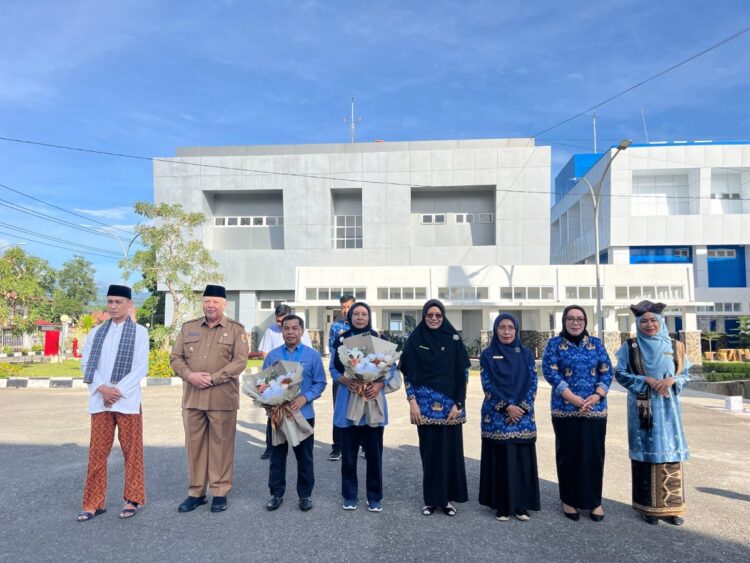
(575,320)
(433,316)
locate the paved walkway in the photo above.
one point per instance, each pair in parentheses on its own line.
(43,449)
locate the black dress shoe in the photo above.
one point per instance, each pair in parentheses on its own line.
(266,454)
(191,503)
(274,502)
(575,516)
(597,517)
(653,520)
(676,520)
(305,504)
(219,504)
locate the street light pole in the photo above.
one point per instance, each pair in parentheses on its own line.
(596,192)
(125,249)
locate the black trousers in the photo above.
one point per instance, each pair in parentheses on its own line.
(305,472)
(372,442)
(336,447)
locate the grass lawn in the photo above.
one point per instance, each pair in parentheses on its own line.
(68,368)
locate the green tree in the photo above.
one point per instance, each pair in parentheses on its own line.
(744,332)
(172,258)
(26,286)
(76,288)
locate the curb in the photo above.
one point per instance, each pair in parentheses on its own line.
(71,383)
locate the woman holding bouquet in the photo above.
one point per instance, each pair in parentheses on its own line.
(508,478)
(354,433)
(435,367)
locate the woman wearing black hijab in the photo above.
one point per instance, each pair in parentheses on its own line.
(435,367)
(578,368)
(354,433)
(508,479)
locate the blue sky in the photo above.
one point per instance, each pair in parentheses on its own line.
(145,77)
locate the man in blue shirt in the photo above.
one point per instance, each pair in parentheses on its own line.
(272,338)
(339,327)
(313,384)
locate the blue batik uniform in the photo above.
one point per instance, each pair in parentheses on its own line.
(338,328)
(582,369)
(495,425)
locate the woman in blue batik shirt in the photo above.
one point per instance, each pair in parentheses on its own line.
(578,368)
(352,434)
(508,478)
(654,370)
(435,365)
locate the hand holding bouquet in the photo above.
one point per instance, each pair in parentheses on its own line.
(366,360)
(273,389)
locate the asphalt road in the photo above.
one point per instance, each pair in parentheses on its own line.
(43,452)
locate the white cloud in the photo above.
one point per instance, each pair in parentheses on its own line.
(107,213)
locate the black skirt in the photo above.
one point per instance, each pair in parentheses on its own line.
(508,477)
(579,452)
(441,448)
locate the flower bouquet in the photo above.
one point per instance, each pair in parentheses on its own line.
(368,359)
(273,389)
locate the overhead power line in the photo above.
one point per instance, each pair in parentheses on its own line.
(649,79)
(46,217)
(87,218)
(28,239)
(56,239)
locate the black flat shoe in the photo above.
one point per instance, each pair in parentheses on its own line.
(575,516)
(676,520)
(597,517)
(653,520)
(219,504)
(274,502)
(191,503)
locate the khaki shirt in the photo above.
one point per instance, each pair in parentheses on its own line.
(221,351)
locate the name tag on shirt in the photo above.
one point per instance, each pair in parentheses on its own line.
(497,357)
(424,347)
(194,333)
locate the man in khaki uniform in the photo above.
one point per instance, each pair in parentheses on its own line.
(209,355)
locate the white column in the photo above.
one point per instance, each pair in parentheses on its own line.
(700,265)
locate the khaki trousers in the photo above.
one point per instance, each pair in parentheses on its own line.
(209,441)
(130,435)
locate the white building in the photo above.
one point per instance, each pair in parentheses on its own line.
(680,203)
(398,223)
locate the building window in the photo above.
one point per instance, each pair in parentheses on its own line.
(660,194)
(463,218)
(580,292)
(347,231)
(486,217)
(722,253)
(402,322)
(433,218)
(270,304)
(387,293)
(638,292)
(334,293)
(463,292)
(258,221)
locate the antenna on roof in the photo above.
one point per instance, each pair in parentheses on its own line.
(353,123)
(643,117)
(593,117)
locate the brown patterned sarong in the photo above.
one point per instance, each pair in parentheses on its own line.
(658,488)
(130,436)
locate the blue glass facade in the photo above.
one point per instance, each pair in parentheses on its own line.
(576,167)
(726,266)
(661,255)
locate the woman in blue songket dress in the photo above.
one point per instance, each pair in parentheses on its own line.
(354,433)
(654,370)
(508,478)
(579,371)
(435,365)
